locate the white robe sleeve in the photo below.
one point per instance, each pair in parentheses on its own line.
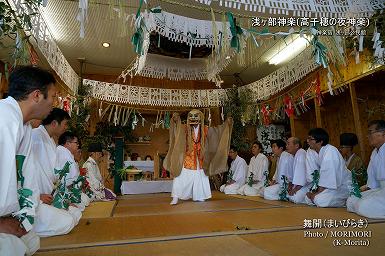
(240,171)
(285,167)
(261,165)
(8,181)
(299,168)
(329,170)
(312,164)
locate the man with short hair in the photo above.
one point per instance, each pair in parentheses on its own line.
(372,201)
(283,172)
(352,160)
(237,173)
(296,193)
(50,221)
(94,178)
(31,94)
(258,172)
(65,152)
(330,184)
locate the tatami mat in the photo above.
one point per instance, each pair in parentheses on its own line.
(293,243)
(270,202)
(99,210)
(230,245)
(290,243)
(185,207)
(148,219)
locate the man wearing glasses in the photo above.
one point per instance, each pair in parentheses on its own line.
(372,201)
(331,187)
(65,152)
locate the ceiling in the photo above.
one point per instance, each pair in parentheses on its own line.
(104,25)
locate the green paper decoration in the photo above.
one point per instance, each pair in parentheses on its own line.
(284,187)
(230,175)
(355,191)
(266,174)
(24,194)
(315,175)
(250,179)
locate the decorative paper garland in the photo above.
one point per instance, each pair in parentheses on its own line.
(49,49)
(280,79)
(300,8)
(155,96)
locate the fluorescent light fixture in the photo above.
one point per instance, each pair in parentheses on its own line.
(290,51)
(106,45)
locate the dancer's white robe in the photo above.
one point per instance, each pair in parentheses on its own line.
(63,155)
(372,202)
(239,169)
(334,176)
(95,180)
(284,168)
(191,183)
(50,221)
(15,139)
(299,176)
(258,166)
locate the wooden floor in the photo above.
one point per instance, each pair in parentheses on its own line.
(223,225)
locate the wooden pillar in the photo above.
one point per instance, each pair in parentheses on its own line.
(317,113)
(357,121)
(292,126)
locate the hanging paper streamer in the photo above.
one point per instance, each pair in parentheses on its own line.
(319,50)
(222,115)
(235,32)
(289,109)
(82,16)
(167,120)
(266,114)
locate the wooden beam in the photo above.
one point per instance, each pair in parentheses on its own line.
(317,113)
(357,121)
(292,126)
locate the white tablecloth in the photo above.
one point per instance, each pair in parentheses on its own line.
(146,187)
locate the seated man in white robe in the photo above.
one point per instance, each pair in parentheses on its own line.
(258,172)
(50,221)
(294,147)
(68,147)
(237,173)
(283,174)
(94,178)
(371,204)
(330,184)
(31,94)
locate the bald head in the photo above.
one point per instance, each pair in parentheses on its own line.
(293,144)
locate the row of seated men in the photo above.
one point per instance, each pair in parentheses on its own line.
(43,191)
(321,176)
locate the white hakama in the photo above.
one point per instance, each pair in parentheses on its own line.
(299,177)
(239,169)
(372,202)
(284,168)
(334,176)
(191,184)
(258,166)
